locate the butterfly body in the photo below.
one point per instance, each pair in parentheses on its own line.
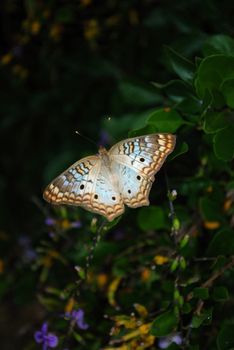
(104,183)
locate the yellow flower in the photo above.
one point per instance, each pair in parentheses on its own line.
(46,13)
(91,29)
(85,2)
(112,20)
(112,290)
(65,224)
(1,266)
(70,305)
(211,225)
(102,280)
(56,31)
(133,17)
(160,259)
(6,59)
(35,27)
(209,189)
(145,274)
(227,204)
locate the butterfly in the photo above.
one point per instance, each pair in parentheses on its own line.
(105,182)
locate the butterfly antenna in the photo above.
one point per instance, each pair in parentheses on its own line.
(86,138)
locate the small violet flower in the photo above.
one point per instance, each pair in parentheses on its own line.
(48,340)
(78,317)
(76,224)
(49,221)
(166,341)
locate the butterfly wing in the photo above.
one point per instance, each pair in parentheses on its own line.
(135,161)
(87,184)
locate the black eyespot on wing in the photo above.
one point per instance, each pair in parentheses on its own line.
(113,198)
(129,191)
(142,159)
(81,187)
(138,177)
(96,196)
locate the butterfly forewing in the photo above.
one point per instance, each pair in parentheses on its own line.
(87,184)
(136,161)
(74,186)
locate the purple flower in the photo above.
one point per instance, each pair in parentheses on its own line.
(78,317)
(48,340)
(166,341)
(49,221)
(76,224)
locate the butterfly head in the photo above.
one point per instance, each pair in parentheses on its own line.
(103,154)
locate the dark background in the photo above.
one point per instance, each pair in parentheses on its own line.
(66,66)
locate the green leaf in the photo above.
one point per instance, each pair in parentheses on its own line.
(219,44)
(201,293)
(215,121)
(181,148)
(224,144)
(210,209)
(205,318)
(220,293)
(177,90)
(227,88)
(148,129)
(222,243)
(180,65)
(150,218)
(164,324)
(212,72)
(225,339)
(165,120)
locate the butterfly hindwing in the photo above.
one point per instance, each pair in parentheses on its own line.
(134,188)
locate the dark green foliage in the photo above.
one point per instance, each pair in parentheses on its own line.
(112,71)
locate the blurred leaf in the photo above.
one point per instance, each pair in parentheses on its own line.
(220,293)
(164,324)
(201,293)
(210,209)
(150,218)
(137,94)
(225,339)
(180,65)
(227,88)
(222,243)
(219,44)
(224,144)
(64,15)
(165,120)
(204,318)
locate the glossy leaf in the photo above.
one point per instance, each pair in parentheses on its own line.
(224,144)
(164,324)
(165,120)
